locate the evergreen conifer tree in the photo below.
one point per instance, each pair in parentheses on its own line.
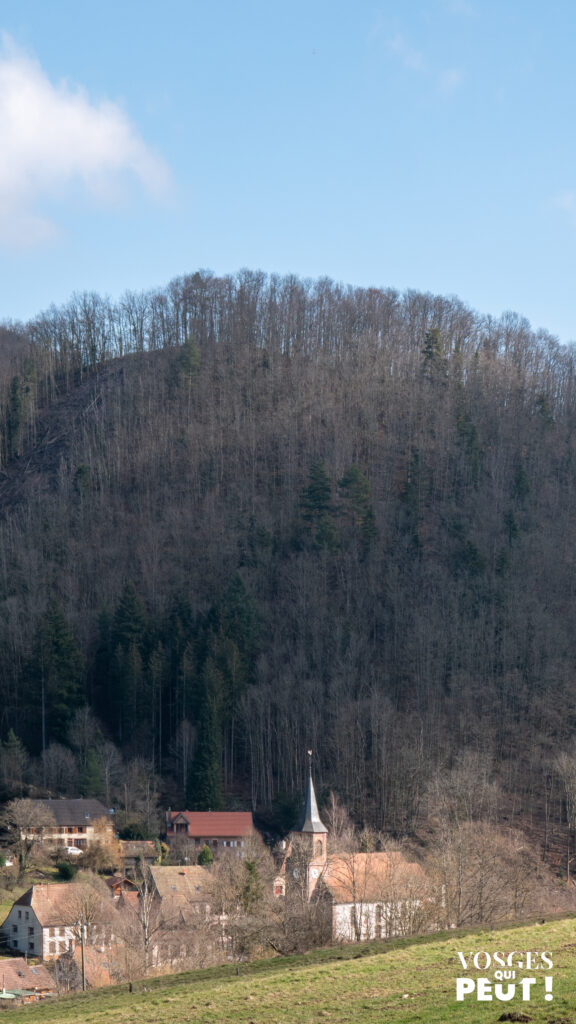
(57,675)
(205,784)
(355,493)
(317,509)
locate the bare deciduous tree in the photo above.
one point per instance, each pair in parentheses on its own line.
(26,823)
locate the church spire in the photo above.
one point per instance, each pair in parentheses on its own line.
(310,820)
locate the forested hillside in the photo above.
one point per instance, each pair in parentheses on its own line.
(243,517)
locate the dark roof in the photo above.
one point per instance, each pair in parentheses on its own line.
(75,812)
(310,818)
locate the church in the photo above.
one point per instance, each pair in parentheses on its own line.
(365,895)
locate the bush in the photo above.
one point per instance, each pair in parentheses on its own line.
(66,870)
(205,857)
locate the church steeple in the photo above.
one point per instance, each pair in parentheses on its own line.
(310,818)
(313,831)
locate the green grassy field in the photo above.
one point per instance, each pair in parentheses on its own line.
(401,983)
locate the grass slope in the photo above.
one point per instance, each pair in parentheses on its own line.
(400,983)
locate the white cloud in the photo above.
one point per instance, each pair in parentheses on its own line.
(447,81)
(52,138)
(450,80)
(411,58)
(566,201)
(461,7)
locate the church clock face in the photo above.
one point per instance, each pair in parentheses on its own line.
(295,873)
(314,872)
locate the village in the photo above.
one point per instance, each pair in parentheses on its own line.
(212,892)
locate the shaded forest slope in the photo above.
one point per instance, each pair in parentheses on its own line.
(339,518)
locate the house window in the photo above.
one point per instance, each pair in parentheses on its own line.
(52,932)
(51,947)
(19,915)
(15,943)
(26,915)
(31,947)
(30,931)
(14,927)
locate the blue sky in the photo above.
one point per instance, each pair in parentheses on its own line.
(405,144)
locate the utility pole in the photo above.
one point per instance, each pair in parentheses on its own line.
(82,946)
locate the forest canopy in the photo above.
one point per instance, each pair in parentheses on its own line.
(246,516)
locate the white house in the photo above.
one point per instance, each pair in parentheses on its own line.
(44,921)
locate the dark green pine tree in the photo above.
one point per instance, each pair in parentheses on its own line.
(130,619)
(231,641)
(411,502)
(205,781)
(58,675)
(188,362)
(354,490)
(317,509)
(252,887)
(100,682)
(239,618)
(434,359)
(14,764)
(126,684)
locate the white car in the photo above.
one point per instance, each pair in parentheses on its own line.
(73,851)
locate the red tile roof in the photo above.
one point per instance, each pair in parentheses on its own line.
(191,883)
(16,974)
(215,824)
(59,903)
(371,877)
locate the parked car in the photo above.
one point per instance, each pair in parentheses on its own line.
(73,851)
